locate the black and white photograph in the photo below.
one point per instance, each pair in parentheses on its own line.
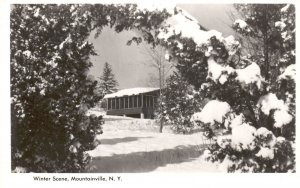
(151,87)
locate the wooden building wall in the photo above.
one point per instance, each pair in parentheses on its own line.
(133,105)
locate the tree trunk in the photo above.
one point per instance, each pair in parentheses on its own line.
(160,101)
(266,46)
(161,125)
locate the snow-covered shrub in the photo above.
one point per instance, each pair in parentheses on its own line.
(50,89)
(179,102)
(262,124)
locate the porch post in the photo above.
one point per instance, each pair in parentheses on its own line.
(106,104)
(128,102)
(142,100)
(111,103)
(153,101)
(124,102)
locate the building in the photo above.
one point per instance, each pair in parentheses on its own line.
(134,102)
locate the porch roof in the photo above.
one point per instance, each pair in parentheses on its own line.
(131,91)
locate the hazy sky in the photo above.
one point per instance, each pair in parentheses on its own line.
(129,63)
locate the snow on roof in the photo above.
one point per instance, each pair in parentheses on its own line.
(131,91)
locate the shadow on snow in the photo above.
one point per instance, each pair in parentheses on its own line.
(114,141)
(145,161)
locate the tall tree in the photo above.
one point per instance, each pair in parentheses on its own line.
(159,60)
(108,84)
(50,89)
(260,29)
(261,93)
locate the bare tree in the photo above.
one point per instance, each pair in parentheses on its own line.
(251,44)
(159,60)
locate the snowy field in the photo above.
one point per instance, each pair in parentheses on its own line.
(135,145)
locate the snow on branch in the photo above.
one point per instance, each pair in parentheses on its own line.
(265,152)
(183,23)
(269,102)
(250,74)
(241,23)
(266,136)
(281,115)
(280,25)
(289,73)
(147,6)
(218,72)
(68,39)
(213,111)
(243,137)
(285,8)
(241,26)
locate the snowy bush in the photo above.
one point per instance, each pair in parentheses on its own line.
(262,122)
(179,102)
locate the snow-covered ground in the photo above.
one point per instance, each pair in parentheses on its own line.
(135,145)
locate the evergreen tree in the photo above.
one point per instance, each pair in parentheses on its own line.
(261,35)
(108,84)
(264,112)
(179,103)
(50,89)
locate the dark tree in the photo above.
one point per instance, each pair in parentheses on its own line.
(108,84)
(50,89)
(180,101)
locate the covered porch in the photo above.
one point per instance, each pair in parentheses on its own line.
(138,105)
